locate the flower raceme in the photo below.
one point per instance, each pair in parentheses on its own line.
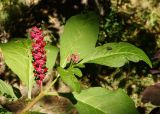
(38,54)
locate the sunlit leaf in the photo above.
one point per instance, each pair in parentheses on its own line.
(116,55)
(101,101)
(80,36)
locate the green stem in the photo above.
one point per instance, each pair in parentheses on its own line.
(40,96)
(30,74)
(54,81)
(29,93)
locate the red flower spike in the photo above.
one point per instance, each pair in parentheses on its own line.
(39,54)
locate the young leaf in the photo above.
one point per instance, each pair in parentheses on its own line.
(69,78)
(76,71)
(17,54)
(6,89)
(80,36)
(101,101)
(116,55)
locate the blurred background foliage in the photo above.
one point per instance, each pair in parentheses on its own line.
(134,21)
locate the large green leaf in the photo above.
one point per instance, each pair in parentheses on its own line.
(69,78)
(18,57)
(6,89)
(116,55)
(51,52)
(101,101)
(80,36)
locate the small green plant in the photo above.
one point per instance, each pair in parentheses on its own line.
(77,48)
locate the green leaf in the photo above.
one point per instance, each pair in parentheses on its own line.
(80,36)
(101,101)
(76,71)
(79,65)
(18,57)
(116,55)
(51,53)
(69,78)
(7,90)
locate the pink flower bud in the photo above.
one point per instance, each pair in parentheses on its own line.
(74,57)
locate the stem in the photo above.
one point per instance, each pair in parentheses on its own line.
(41,95)
(30,72)
(54,81)
(32,103)
(29,93)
